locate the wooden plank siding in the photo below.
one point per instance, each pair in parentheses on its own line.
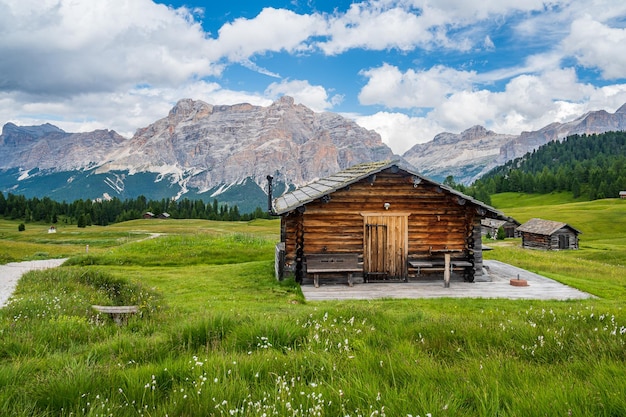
(548,235)
(433,220)
(562,239)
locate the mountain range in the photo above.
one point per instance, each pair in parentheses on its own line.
(225,152)
(472,153)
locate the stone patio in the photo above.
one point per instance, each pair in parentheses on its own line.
(496,284)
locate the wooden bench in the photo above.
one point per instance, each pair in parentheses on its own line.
(332,263)
(117,313)
(434,264)
(428,265)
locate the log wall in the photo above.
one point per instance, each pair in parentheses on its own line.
(437,220)
(550,242)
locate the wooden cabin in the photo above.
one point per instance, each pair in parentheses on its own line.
(490,227)
(396,221)
(548,235)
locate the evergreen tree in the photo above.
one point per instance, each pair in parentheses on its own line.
(82,221)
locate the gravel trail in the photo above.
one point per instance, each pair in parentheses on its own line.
(11,273)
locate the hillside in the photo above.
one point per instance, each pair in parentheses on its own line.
(590,167)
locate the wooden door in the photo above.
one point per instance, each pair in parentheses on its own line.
(563,241)
(385,246)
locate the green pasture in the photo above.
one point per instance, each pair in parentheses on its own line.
(602,254)
(218,335)
(69,240)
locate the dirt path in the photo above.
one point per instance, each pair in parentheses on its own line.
(12,272)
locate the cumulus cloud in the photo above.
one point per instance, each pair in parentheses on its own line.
(389,86)
(399,131)
(527,102)
(378,29)
(272,30)
(65,47)
(312,96)
(597,45)
(408,24)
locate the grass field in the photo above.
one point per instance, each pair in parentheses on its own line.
(217,335)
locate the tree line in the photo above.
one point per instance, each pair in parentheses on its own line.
(104,212)
(591,167)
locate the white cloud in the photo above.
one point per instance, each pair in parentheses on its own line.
(388,86)
(67,47)
(527,102)
(488,43)
(377,29)
(399,131)
(596,45)
(407,24)
(271,31)
(312,96)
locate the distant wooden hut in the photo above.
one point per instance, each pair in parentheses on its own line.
(490,227)
(622,194)
(148,215)
(396,221)
(548,235)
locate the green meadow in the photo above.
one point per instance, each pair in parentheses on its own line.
(217,335)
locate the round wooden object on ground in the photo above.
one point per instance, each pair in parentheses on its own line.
(519,282)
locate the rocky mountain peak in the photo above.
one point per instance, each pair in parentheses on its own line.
(475,132)
(32,131)
(284,101)
(210,145)
(188,109)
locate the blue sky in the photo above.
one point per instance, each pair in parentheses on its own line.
(408,69)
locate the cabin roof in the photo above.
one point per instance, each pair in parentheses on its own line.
(318,189)
(489,222)
(544,227)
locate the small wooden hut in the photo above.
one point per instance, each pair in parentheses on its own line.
(548,235)
(395,220)
(490,227)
